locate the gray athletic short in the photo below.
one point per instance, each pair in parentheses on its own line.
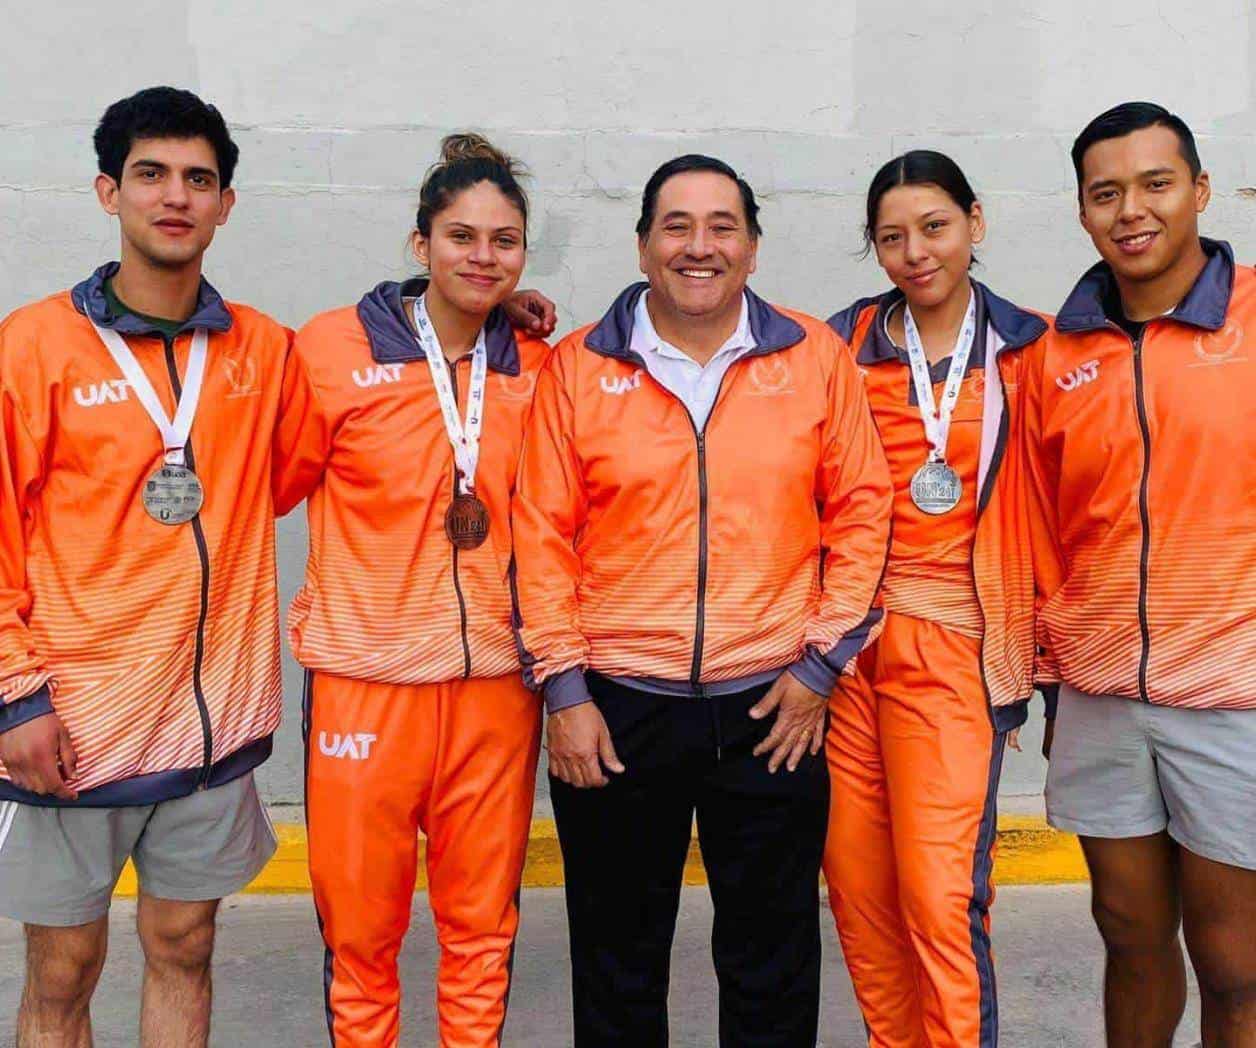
(1123,768)
(59,866)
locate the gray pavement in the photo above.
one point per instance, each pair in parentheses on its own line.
(269,962)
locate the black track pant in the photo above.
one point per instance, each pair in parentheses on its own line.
(624,849)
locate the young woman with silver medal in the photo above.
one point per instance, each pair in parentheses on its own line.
(917,732)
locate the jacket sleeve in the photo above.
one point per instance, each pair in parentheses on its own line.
(1040,501)
(302,439)
(855,495)
(547,512)
(26,684)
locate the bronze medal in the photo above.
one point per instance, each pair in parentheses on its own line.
(466,521)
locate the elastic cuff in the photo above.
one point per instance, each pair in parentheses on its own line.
(28,707)
(814,672)
(565,689)
(1008,718)
(1050,698)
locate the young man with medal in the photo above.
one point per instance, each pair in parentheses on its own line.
(917,734)
(144,421)
(700,526)
(1142,453)
(416,717)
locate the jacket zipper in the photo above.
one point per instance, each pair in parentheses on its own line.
(202,551)
(699,630)
(1144,513)
(462,603)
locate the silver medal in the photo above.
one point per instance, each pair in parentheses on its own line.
(173,494)
(936,488)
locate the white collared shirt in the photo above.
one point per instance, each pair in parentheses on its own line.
(695,385)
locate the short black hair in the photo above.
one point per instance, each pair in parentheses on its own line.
(162,112)
(1127,118)
(917,167)
(696,162)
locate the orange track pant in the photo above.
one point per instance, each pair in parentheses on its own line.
(915,763)
(458,761)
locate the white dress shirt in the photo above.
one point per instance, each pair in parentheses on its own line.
(696,385)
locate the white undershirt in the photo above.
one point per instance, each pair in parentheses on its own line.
(695,385)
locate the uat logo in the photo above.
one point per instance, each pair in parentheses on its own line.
(111,391)
(352,746)
(770,375)
(617,387)
(1214,348)
(377,375)
(1079,376)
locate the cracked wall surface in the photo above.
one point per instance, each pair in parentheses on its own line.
(338,108)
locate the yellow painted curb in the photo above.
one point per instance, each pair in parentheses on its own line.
(1028,852)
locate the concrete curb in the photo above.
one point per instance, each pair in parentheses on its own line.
(1028,852)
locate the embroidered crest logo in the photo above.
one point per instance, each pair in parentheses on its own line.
(517,387)
(770,375)
(1214,348)
(241,376)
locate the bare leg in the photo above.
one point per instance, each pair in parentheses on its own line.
(62,968)
(178,942)
(1218,915)
(1136,905)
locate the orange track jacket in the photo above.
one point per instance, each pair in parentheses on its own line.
(969,570)
(689,561)
(387,597)
(1142,459)
(157,646)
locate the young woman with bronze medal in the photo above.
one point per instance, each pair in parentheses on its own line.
(416,716)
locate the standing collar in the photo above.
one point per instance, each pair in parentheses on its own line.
(1015,327)
(383,316)
(770,329)
(1204,306)
(646,339)
(89,299)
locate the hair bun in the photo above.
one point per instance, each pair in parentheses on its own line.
(467,145)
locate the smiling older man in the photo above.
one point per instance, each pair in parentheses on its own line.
(700,525)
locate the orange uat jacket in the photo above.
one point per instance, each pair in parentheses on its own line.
(694,561)
(157,646)
(1143,459)
(999,606)
(387,597)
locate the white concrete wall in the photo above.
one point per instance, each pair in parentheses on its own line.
(338,108)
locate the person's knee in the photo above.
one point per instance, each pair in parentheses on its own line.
(63,965)
(1128,928)
(179,939)
(1224,963)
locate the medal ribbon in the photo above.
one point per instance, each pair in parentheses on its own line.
(937,417)
(463,437)
(174,432)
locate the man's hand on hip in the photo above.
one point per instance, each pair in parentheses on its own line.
(799,723)
(580,746)
(40,758)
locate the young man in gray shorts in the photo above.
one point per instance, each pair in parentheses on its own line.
(139,656)
(1142,447)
